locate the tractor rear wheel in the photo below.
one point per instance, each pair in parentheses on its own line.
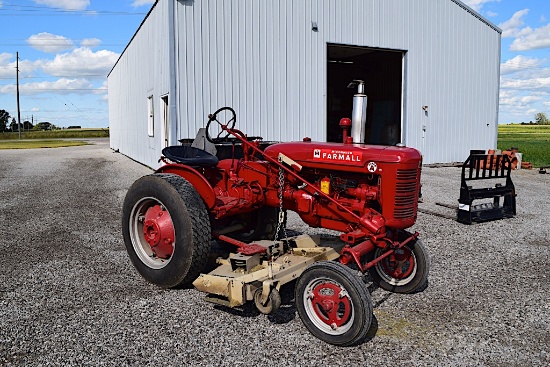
(404,271)
(333,303)
(166,229)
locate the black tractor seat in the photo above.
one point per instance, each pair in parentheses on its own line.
(190,156)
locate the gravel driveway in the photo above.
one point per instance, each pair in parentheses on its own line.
(69,295)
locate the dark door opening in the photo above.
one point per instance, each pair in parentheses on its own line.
(382,72)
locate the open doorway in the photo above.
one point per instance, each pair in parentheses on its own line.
(382,71)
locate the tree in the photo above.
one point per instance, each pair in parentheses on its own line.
(4,119)
(43,126)
(27,125)
(14,126)
(541,119)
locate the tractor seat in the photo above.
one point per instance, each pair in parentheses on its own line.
(190,156)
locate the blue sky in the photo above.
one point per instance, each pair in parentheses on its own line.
(67,48)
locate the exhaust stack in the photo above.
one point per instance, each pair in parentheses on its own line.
(359,113)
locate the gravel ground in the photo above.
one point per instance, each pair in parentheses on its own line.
(69,295)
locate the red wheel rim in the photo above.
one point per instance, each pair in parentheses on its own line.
(331,304)
(400,264)
(158,231)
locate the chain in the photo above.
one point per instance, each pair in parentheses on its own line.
(281,223)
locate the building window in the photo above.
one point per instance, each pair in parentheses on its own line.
(150,117)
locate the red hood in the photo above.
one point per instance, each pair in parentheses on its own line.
(357,155)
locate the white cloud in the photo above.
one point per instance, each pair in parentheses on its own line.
(477,4)
(530,99)
(542,84)
(4,57)
(492,14)
(90,42)
(48,42)
(81,61)
(519,63)
(137,3)
(60,86)
(532,39)
(511,27)
(65,4)
(7,67)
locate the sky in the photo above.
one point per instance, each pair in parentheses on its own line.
(68,47)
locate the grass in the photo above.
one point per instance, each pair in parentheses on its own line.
(531,140)
(34,144)
(57,134)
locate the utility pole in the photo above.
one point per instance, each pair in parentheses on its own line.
(18,109)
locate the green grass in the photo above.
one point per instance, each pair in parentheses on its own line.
(34,144)
(531,140)
(57,134)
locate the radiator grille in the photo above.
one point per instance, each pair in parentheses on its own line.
(406,189)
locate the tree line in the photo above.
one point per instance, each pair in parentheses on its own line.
(7,126)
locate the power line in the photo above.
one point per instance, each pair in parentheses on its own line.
(10,10)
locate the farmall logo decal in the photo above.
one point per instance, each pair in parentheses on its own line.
(339,156)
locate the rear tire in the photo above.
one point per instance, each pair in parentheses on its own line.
(333,303)
(166,229)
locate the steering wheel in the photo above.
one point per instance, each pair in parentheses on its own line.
(230,124)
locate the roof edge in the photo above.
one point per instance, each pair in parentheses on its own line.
(134,36)
(477,15)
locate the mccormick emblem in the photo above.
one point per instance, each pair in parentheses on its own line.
(340,156)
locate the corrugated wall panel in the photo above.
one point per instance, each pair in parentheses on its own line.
(263,59)
(141,71)
(272,69)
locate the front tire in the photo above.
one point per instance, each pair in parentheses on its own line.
(405,271)
(334,305)
(166,229)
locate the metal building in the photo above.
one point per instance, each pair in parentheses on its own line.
(431,69)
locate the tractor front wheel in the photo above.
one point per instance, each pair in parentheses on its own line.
(333,303)
(404,271)
(166,229)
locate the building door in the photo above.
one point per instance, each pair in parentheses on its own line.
(382,71)
(165,123)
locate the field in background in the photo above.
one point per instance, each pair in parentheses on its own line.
(33,144)
(58,134)
(531,140)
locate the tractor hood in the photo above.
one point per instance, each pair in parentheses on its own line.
(330,154)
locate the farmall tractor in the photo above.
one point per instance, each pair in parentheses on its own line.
(239,197)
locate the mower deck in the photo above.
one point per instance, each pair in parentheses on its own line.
(238,277)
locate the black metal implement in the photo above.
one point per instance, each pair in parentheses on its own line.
(486,167)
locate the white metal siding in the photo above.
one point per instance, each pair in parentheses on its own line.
(262,58)
(141,71)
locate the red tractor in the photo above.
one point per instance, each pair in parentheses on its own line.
(239,196)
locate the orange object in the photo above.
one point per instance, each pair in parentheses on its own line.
(526,165)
